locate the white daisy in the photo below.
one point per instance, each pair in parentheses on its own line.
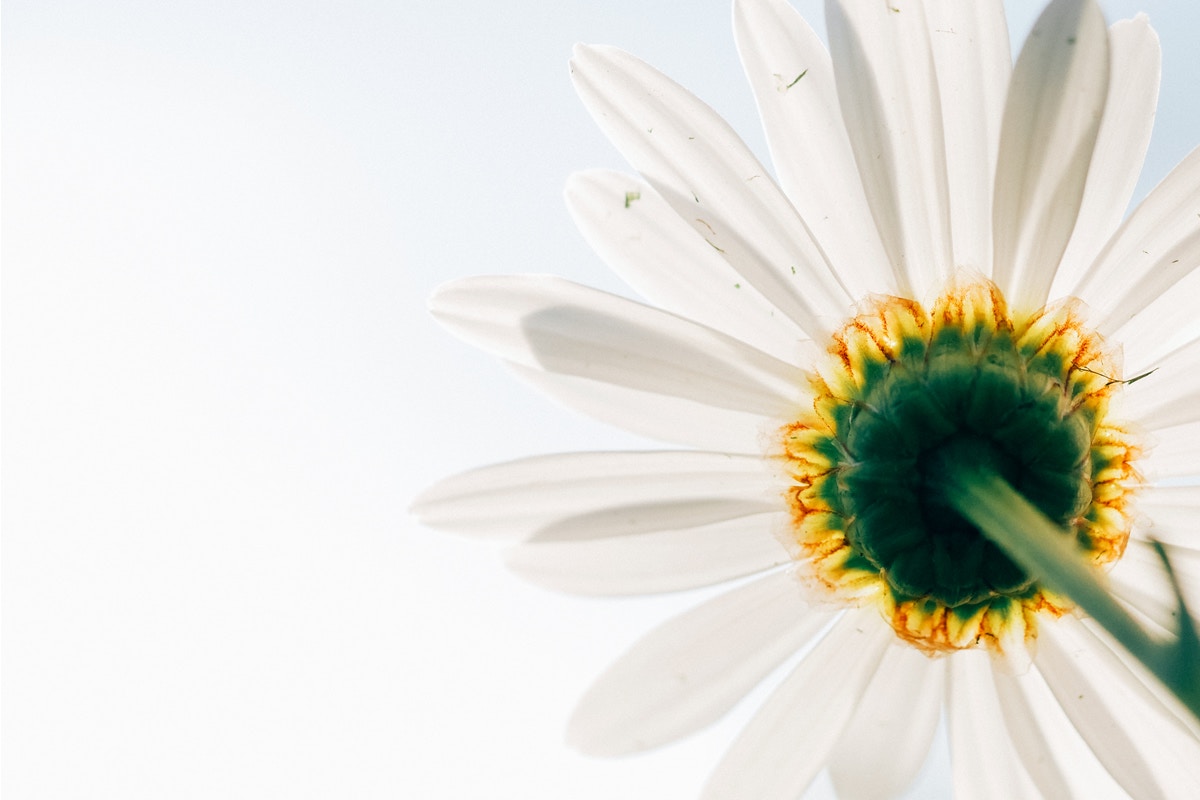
(937,277)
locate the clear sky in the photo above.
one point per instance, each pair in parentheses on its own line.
(221,220)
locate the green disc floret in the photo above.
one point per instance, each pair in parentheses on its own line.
(958,405)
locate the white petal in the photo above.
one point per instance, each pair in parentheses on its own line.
(1171,515)
(1120,146)
(549,323)
(1171,396)
(707,174)
(687,673)
(1141,580)
(792,77)
(889,99)
(657,416)
(974,62)
(518,497)
(1156,247)
(1174,453)
(1168,323)
(893,727)
(788,741)
(1055,103)
(985,765)
(643,240)
(590,555)
(1058,761)
(1155,692)
(1028,738)
(1144,750)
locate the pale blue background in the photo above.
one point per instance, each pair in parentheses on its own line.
(221,388)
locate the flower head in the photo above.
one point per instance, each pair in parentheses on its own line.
(935,282)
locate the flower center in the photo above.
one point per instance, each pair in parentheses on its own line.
(910,398)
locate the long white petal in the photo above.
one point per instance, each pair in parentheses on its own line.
(1055,103)
(1143,749)
(888,91)
(1120,145)
(787,742)
(643,240)
(893,727)
(985,765)
(1175,452)
(1166,324)
(591,555)
(1141,580)
(689,671)
(1170,396)
(792,77)
(519,497)
(1170,514)
(695,160)
(974,63)
(676,420)
(1156,247)
(1056,758)
(553,324)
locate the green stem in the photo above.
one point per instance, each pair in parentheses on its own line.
(1051,556)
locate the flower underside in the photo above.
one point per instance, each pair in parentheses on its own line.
(910,396)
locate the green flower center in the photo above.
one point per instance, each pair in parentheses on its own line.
(956,408)
(908,402)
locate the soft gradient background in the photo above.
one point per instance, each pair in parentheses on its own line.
(221,221)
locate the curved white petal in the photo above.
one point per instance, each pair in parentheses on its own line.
(592,555)
(888,93)
(518,497)
(985,765)
(1120,145)
(1144,749)
(695,160)
(792,77)
(1151,687)
(1141,580)
(1174,453)
(892,728)
(1027,735)
(1170,515)
(1167,324)
(553,324)
(787,742)
(1171,395)
(1055,103)
(645,242)
(657,416)
(1156,247)
(1056,758)
(974,62)
(689,671)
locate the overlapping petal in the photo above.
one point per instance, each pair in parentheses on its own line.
(1051,121)
(689,671)
(1147,753)
(1155,248)
(791,74)
(972,59)
(515,499)
(604,554)
(699,165)
(788,741)
(643,240)
(892,728)
(555,325)
(889,95)
(1120,147)
(985,764)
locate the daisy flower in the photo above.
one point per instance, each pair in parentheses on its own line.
(935,287)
